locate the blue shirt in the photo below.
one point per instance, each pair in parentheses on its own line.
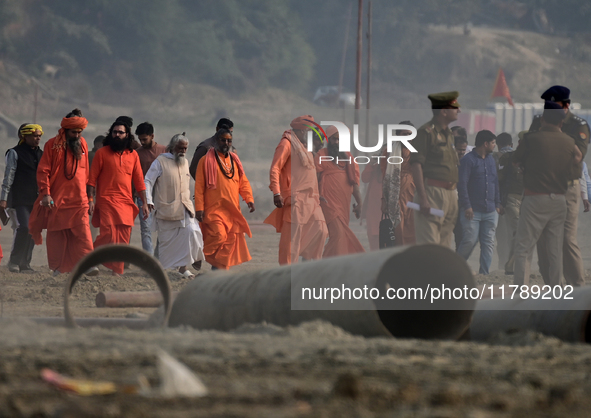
(478,185)
(587,179)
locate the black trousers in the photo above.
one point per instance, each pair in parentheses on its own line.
(23,241)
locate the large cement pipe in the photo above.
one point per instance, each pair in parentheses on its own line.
(114,253)
(145,299)
(226,300)
(568,320)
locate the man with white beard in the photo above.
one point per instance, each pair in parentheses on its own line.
(168,193)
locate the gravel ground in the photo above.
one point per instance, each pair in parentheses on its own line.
(314,369)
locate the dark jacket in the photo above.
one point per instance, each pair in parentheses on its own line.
(24,189)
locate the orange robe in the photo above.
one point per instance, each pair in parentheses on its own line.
(372,204)
(223,224)
(300,221)
(112,174)
(68,232)
(336,187)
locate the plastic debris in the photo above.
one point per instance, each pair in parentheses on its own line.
(78,386)
(176,379)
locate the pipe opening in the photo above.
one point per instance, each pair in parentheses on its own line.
(114,253)
(586,328)
(431,312)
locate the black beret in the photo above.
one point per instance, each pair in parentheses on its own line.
(556,94)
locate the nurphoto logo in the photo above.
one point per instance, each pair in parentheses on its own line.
(345,141)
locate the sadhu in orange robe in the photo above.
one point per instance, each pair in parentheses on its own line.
(217,196)
(64,178)
(112,174)
(372,204)
(336,187)
(300,221)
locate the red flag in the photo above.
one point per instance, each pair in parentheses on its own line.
(501,89)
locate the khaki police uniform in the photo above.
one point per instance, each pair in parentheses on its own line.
(439,162)
(574,274)
(547,157)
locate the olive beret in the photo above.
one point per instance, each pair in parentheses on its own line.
(445,99)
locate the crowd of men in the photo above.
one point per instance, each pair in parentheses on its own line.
(65,189)
(535,189)
(519,198)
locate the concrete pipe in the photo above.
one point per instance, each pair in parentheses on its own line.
(225,300)
(114,253)
(130,299)
(562,318)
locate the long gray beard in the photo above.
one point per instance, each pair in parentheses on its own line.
(179,159)
(76,148)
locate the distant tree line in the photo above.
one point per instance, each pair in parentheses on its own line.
(233,44)
(237,45)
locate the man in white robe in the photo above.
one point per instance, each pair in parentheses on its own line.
(168,194)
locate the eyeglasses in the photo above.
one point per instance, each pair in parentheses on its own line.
(119,132)
(229,141)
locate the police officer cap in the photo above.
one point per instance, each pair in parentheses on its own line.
(445,99)
(556,94)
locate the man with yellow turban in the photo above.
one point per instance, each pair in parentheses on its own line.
(62,205)
(298,216)
(19,191)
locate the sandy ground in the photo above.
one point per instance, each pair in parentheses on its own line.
(314,369)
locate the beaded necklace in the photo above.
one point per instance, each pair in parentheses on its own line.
(224,167)
(74,168)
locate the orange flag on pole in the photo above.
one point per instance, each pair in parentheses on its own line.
(501,89)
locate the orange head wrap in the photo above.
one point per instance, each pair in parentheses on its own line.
(75,122)
(301,122)
(331,130)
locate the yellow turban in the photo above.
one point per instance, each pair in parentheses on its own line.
(30,128)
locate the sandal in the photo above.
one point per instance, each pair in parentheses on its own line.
(188,274)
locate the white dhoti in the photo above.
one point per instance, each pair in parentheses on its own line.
(180,243)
